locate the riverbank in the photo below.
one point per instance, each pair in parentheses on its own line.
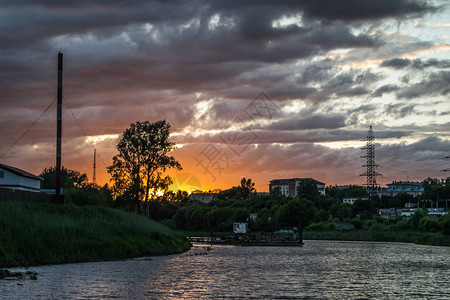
(42,233)
(404,236)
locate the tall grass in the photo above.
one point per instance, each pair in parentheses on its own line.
(42,233)
(406,236)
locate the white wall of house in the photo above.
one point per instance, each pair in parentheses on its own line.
(320,187)
(16,182)
(351,200)
(284,189)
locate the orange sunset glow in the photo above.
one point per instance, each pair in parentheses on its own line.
(261,90)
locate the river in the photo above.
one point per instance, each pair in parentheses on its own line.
(319,270)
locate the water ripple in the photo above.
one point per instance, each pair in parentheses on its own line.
(319,270)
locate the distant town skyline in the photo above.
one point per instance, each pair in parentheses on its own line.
(256,89)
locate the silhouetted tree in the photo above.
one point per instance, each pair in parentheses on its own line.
(296,213)
(144,155)
(361,208)
(82,192)
(69,178)
(307,189)
(247,187)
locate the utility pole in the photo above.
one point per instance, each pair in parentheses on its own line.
(370,165)
(95,155)
(59,128)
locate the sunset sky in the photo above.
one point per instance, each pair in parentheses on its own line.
(256,89)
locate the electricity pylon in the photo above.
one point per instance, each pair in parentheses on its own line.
(371,174)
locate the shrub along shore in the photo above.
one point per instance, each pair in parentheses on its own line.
(405,236)
(43,233)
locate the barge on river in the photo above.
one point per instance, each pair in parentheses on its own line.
(256,236)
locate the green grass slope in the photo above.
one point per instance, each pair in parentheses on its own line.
(42,233)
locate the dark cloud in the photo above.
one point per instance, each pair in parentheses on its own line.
(396,161)
(260,135)
(435,84)
(318,72)
(432,62)
(352,92)
(399,110)
(400,63)
(414,161)
(428,149)
(387,88)
(347,84)
(313,122)
(340,36)
(357,10)
(150,60)
(396,63)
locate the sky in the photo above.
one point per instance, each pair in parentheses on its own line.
(256,89)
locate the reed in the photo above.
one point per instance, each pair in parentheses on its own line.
(43,233)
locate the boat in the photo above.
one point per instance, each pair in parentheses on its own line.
(256,236)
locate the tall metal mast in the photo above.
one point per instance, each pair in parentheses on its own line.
(59,128)
(95,155)
(370,165)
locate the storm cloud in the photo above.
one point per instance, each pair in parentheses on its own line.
(328,70)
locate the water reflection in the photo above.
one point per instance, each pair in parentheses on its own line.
(320,270)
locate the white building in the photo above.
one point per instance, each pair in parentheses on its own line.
(288,187)
(203,197)
(396,187)
(16,179)
(351,200)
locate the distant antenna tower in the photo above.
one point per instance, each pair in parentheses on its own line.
(95,156)
(370,165)
(59,127)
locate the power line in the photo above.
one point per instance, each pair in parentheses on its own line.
(28,129)
(446,170)
(82,130)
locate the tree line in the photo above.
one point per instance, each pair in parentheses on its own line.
(139,184)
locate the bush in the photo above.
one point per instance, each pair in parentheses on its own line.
(84,197)
(379,227)
(367,224)
(357,222)
(321,216)
(241,215)
(445,224)
(429,224)
(169,223)
(320,226)
(373,225)
(403,224)
(416,216)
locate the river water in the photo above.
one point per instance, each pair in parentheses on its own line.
(319,270)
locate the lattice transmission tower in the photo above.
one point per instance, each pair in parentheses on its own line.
(371,174)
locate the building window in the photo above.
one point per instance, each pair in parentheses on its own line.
(2,174)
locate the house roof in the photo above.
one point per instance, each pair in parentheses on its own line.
(405,183)
(19,172)
(286,181)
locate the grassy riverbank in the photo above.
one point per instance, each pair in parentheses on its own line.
(42,233)
(404,236)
